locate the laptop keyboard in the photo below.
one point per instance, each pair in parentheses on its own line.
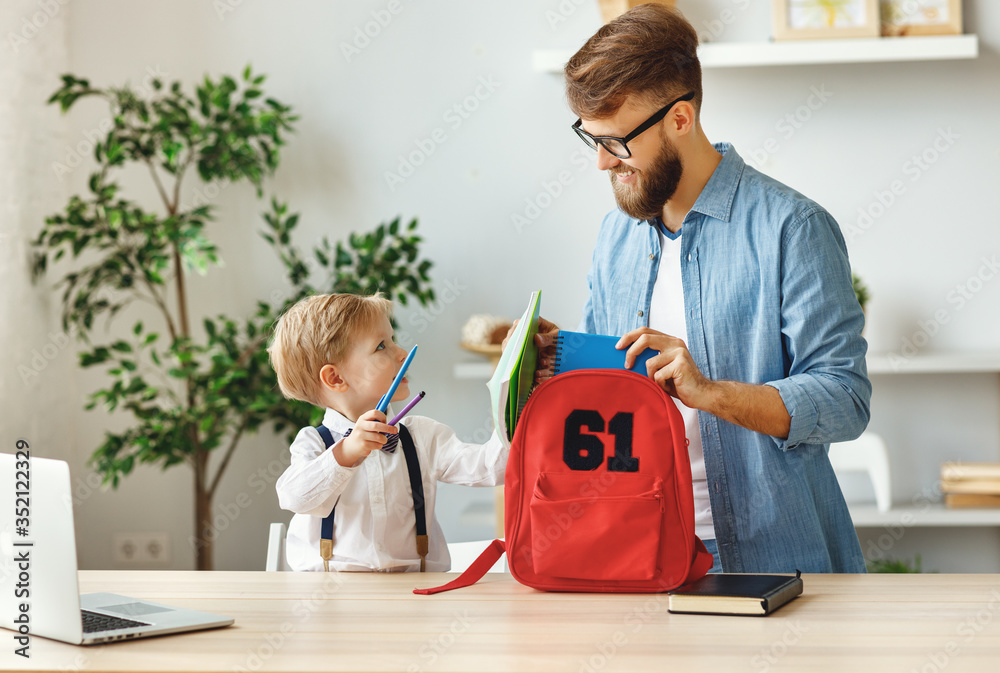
(94,622)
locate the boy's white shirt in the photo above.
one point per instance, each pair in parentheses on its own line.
(374,527)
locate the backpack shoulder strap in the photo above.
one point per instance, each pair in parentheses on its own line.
(474,573)
(701,563)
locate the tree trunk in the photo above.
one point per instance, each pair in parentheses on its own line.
(204,530)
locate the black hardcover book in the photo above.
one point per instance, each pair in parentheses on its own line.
(735,594)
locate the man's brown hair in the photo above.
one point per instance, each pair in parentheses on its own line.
(650,51)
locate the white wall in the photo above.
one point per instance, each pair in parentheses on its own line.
(361,112)
(37,386)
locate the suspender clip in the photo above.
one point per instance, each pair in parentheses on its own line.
(422,548)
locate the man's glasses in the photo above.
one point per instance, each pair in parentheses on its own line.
(619,146)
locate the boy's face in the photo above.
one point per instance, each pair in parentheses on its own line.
(370,366)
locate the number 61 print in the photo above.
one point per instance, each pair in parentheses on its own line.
(586,452)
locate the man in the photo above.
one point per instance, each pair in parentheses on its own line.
(742,285)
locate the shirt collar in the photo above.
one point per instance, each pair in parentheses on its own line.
(716,199)
(337,422)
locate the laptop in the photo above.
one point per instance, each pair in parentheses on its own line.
(39,593)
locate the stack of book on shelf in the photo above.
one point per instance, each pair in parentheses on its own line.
(971,484)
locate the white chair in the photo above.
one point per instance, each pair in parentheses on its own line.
(276,548)
(868,454)
(464,553)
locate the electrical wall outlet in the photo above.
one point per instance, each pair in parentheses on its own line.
(141,550)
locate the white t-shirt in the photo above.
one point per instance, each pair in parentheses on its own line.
(374,528)
(666,314)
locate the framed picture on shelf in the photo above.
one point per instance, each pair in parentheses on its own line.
(816,19)
(921,17)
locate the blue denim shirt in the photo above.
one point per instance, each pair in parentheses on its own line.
(769,300)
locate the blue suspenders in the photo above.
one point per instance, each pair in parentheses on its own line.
(416,486)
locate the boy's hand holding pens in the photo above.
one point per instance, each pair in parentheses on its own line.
(366,437)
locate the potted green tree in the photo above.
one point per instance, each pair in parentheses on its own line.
(191,394)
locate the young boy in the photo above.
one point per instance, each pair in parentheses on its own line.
(336,351)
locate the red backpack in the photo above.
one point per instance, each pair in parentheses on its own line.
(597,490)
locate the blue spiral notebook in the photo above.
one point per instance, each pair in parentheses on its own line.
(577,350)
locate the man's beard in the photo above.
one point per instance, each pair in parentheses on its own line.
(653,187)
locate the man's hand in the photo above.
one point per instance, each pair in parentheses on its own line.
(364,438)
(545,339)
(673,369)
(755,407)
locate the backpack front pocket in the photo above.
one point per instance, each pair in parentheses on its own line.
(596,526)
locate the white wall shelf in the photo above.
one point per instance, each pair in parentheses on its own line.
(923,516)
(473,370)
(983,362)
(806,52)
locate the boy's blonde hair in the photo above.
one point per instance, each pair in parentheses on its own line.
(317,331)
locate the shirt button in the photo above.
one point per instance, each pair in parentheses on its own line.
(376,500)
(381,547)
(651,255)
(640,314)
(689,256)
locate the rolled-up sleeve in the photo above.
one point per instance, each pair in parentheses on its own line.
(827,392)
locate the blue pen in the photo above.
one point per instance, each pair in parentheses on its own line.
(383,403)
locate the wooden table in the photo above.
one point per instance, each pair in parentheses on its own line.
(372,622)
